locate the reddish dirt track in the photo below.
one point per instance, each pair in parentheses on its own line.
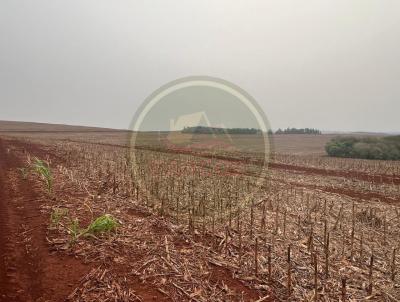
(361,196)
(380,178)
(28,270)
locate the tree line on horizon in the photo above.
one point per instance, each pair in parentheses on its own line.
(298,131)
(215,130)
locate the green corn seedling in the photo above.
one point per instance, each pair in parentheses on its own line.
(43,169)
(57,215)
(74,229)
(24,172)
(102,224)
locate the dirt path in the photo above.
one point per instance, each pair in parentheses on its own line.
(28,270)
(4,247)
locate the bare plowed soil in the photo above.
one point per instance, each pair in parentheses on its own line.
(28,270)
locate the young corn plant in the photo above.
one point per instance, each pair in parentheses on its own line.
(102,224)
(43,169)
(24,172)
(56,215)
(74,230)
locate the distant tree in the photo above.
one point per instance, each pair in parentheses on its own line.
(385,148)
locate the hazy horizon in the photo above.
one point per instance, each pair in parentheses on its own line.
(122,129)
(331,65)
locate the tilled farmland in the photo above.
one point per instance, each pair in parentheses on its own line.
(87,222)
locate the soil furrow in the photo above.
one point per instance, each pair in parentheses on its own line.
(29,272)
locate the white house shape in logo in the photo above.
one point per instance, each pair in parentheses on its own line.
(189,120)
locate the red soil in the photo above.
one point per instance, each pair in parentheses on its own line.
(28,270)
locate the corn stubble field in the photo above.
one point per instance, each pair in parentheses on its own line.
(174,225)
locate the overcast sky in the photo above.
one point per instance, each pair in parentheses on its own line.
(333,65)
